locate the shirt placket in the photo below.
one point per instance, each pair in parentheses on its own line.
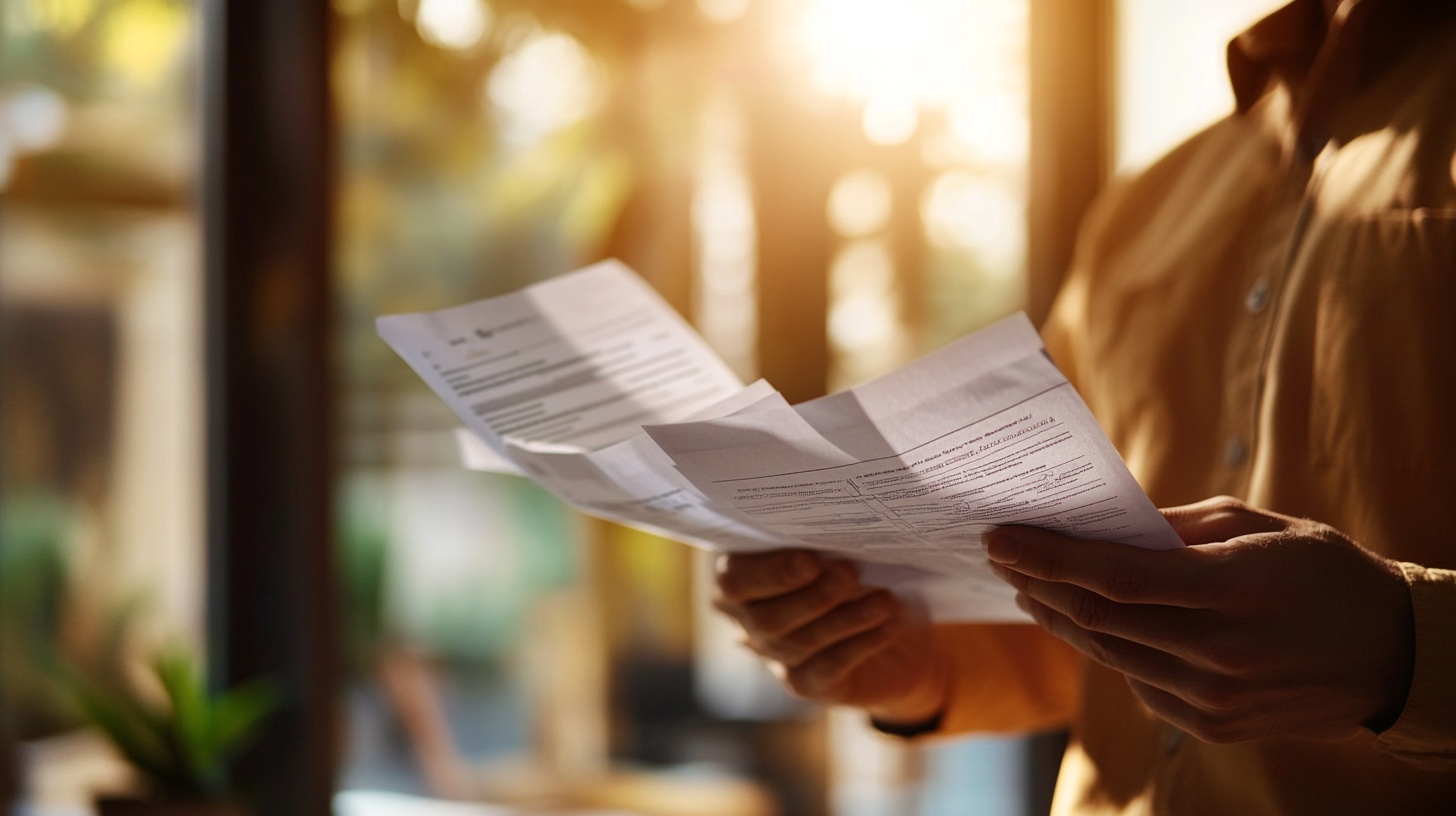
(1262,282)
(1272,256)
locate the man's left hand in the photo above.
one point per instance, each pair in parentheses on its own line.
(1264,626)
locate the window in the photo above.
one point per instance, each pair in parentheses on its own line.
(101,509)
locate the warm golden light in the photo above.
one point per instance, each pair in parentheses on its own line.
(723,11)
(455,24)
(976,215)
(141,39)
(901,57)
(860,202)
(546,83)
(865,329)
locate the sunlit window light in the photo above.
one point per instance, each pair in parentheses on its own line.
(455,24)
(859,203)
(142,39)
(723,11)
(547,83)
(898,57)
(725,239)
(993,127)
(888,120)
(866,333)
(978,215)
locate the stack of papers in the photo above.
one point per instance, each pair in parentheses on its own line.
(591,385)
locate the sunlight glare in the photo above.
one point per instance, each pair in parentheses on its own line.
(142,39)
(723,11)
(726,237)
(993,128)
(862,312)
(901,57)
(866,331)
(546,84)
(454,24)
(977,215)
(889,120)
(860,203)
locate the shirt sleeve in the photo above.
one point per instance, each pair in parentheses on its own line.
(1425,733)
(1005,678)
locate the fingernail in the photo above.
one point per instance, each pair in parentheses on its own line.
(1003,546)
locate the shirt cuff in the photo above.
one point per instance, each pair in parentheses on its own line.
(1425,732)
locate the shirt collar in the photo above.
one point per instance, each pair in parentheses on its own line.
(1324,64)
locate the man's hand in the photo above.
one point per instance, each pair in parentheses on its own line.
(831,639)
(1266,626)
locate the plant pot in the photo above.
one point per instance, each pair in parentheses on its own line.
(142,807)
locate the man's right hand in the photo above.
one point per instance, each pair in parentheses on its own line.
(830,638)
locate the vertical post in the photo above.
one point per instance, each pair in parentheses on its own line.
(794,246)
(1071,116)
(9,773)
(1071,49)
(265,208)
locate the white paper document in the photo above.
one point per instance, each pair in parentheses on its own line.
(592,386)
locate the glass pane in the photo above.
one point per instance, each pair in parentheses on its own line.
(100,387)
(1172,75)
(503,648)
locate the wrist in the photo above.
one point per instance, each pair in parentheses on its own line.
(918,711)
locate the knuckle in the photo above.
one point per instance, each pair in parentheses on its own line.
(1213,693)
(791,652)
(746,576)
(808,680)
(1102,649)
(731,587)
(1127,582)
(1224,654)
(765,620)
(1091,611)
(1229,506)
(874,608)
(1049,567)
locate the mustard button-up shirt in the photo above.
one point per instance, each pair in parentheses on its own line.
(1270,312)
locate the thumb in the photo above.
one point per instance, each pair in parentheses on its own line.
(1220,519)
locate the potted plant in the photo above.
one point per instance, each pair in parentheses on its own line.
(180,742)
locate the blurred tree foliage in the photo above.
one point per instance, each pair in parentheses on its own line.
(437,205)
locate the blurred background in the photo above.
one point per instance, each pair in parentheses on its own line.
(206,447)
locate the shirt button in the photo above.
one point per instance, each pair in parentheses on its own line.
(1172,741)
(1234,451)
(1258,296)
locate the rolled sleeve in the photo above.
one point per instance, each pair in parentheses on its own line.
(1425,733)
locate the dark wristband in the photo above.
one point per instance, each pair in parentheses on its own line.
(909,729)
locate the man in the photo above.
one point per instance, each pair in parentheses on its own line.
(1268,313)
